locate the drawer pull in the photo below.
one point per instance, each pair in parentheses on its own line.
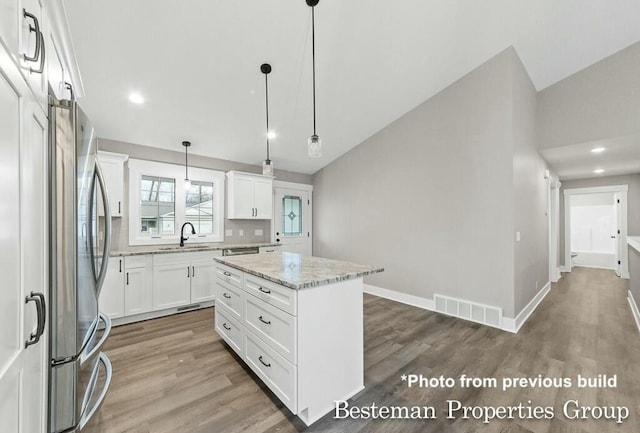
(224,325)
(263,290)
(228,274)
(226,296)
(266,322)
(263,363)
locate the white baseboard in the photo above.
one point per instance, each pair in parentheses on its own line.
(565,269)
(416,301)
(625,275)
(634,308)
(514,325)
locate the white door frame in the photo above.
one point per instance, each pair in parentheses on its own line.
(554,227)
(624,252)
(300,187)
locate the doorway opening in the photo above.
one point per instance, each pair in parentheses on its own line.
(596,228)
(292,220)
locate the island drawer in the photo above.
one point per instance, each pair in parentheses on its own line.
(279,296)
(232,298)
(275,327)
(229,329)
(229,275)
(278,374)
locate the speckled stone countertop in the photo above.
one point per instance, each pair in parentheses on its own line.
(296,271)
(171,249)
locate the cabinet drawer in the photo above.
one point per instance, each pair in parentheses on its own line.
(230,275)
(229,329)
(135,261)
(232,298)
(274,294)
(277,328)
(278,374)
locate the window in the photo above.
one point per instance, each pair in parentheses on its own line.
(291,215)
(199,206)
(159,203)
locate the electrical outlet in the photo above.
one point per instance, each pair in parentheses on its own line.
(258,232)
(240,232)
(228,232)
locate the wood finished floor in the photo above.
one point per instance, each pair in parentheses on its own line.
(175,375)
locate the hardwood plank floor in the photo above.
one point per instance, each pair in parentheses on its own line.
(176,375)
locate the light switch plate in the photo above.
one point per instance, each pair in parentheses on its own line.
(240,232)
(228,232)
(258,232)
(517,236)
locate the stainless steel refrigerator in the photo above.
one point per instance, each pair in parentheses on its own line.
(80,372)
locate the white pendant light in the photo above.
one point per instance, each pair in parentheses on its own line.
(187,182)
(314,143)
(267,165)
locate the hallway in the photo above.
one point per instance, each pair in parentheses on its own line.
(176,375)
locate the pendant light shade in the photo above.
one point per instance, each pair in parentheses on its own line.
(187,182)
(267,165)
(314,143)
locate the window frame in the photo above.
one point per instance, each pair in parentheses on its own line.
(138,168)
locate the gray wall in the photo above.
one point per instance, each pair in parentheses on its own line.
(430,197)
(530,192)
(601,101)
(633,201)
(121,225)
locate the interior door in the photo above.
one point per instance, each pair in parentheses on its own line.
(292,220)
(617,226)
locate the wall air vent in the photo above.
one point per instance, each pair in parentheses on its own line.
(480,313)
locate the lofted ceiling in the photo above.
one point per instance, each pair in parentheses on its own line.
(197,64)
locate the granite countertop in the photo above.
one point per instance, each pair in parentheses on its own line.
(171,249)
(634,241)
(296,271)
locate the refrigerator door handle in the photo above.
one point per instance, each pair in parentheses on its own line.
(89,412)
(100,343)
(107,230)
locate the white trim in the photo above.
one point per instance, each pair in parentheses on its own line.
(415,301)
(622,189)
(634,242)
(292,185)
(564,269)
(634,308)
(595,267)
(514,325)
(175,171)
(59,27)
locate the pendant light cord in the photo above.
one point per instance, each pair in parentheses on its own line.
(266,92)
(186,164)
(313,56)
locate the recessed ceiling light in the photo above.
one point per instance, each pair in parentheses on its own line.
(271,135)
(136,98)
(598,171)
(598,150)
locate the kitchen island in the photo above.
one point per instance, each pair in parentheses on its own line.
(634,276)
(297,322)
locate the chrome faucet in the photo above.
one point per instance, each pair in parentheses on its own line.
(182,238)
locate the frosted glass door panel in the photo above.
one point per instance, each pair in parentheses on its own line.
(592,228)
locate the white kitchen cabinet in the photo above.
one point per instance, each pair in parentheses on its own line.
(33,29)
(249,196)
(112,165)
(171,285)
(111,301)
(138,289)
(183,278)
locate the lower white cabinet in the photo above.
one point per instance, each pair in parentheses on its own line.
(306,345)
(138,289)
(183,278)
(111,301)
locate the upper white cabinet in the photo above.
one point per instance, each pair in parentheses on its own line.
(249,196)
(112,165)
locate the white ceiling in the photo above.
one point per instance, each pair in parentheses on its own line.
(197,64)
(576,161)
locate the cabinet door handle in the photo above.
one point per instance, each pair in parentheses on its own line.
(263,290)
(38,298)
(226,296)
(188,272)
(193,271)
(40,69)
(266,322)
(119,207)
(127,278)
(228,274)
(224,325)
(263,363)
(120,265)
(33,29)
